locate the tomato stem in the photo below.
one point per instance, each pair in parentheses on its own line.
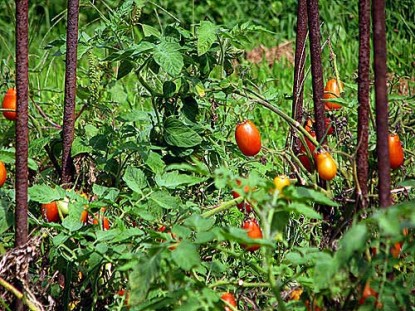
(9,287)
(222,207)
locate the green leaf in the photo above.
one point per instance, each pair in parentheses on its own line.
(325,269)
(178,134)
(125,68)
(186,256)
(105,192)
(150,31)
(45,194)
(6,217)
(155,162)
(198,223)
(169,89)
(135,179)
(353,240)
(206,36)
(306,194)
(72,223)
(144,273)
(168,56)
(165,200)
(172,180)
(80,146)
(302,209)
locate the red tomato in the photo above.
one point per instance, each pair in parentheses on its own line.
(50,212)
(254,232)
(332,90)
(9,102)
(303,156)
(3,174)
(244,206)
(248,138)
(105,223)
(326,167)
(229,298)
(367,292)
(396,157)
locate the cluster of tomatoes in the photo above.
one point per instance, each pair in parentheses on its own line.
(56,210)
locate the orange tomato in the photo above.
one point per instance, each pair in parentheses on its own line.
(396,157)
(50,212)
(3,174)
(229,298)
(280,182)
(368,292)
(331,90)
(84,217)
(105,223)
(326,167)
(396,249)
(254,232)
(9,102)
(248,138)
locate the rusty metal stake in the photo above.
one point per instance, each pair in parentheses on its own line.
(22,132)
(300,56)
(364,107)
(381,96)
(316,67)
(70,91)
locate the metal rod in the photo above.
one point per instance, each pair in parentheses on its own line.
(70,91)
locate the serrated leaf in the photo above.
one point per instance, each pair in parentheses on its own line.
(301,194)
(178,134)
(186,255)
(198,223)
(79,146)
(304,210)
(353,240)
(155,162)
(72,223)
(135,179)
(206,36)
(168,56)
(144,273)
(171,180)
(150,31)
(105,192)
(45,194)
(165,200)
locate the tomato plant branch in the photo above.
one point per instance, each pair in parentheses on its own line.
(262,101)
(19,295)
(222,207)
(240,283)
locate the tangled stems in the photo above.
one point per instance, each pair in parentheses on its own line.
(19,295)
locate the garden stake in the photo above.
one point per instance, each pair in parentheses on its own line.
(318,91)
(298,88)
(22,134)
(70,92)
(316,68)
(363,109)
(381,97)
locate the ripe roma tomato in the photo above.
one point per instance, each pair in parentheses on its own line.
(254,232)
(50,212)
(3,174)
(229,298)
(331,90)
(396,157)
(244,206)
(248,138)
(326,167)
(9,102)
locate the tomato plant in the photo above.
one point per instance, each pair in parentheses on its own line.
(254,232)
(310,127)
(244,206)
(326,167)
(229,298)
(9,102)
(248,138)
(396,155)
(331,90)
(3,174)
(50,212)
